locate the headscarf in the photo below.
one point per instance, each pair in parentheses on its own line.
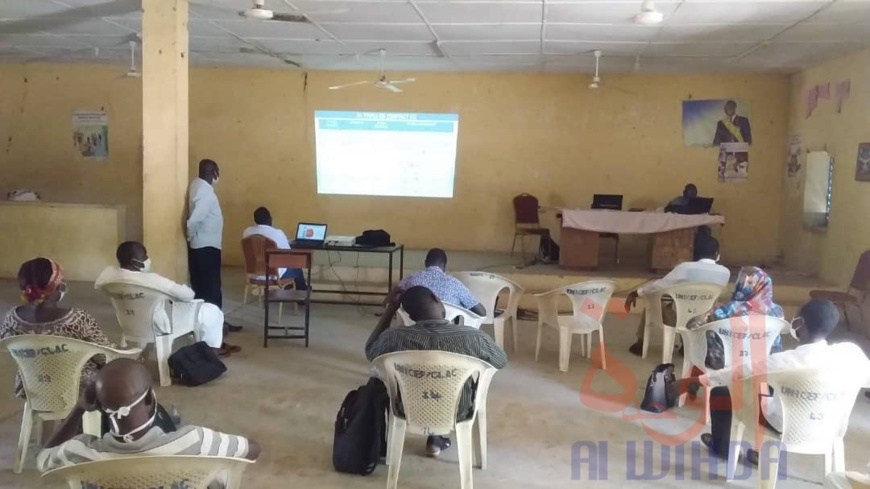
(753,294)
(32,293)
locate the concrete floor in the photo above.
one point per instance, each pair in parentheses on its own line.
(286,397)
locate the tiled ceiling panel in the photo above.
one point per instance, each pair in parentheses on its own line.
(696,35)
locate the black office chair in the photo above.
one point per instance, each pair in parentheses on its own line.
(611,202)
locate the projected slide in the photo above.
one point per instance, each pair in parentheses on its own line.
(385,153)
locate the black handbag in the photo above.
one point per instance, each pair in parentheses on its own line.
(196,364)
(661,389)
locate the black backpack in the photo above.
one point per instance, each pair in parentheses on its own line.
(196,364)
(360,429)
(374,238)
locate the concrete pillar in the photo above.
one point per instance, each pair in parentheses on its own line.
(165,134)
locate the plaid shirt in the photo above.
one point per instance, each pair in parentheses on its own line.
(442,335)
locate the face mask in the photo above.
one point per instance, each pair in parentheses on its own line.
(124,411)
(793,333)
(62,289)
(144,266)
(215,181)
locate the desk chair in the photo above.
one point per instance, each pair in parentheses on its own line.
(526,221)
(860,283)
(259,277)
(276,259)
(611,202)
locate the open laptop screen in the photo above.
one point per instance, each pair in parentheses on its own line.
(310,231)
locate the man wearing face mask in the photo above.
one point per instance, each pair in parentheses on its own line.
(123,392)
(816,321)
(134,269)
(205,225)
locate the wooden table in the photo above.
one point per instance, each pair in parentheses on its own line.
(673,235)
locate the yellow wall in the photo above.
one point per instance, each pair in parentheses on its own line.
(546,134)
(36,152)
(832,254)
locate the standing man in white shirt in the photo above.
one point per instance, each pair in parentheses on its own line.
(704,270)
(205,226)
(135,269)
(263,227)
(816,320)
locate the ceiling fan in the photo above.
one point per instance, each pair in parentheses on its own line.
(381,82)
(133,72)
(258,11)
(596,79)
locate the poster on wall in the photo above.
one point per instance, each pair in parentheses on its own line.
(793,161)
(713,122)
(733,162)
(862,167)
(91,135)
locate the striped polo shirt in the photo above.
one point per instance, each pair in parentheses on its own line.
(187,440)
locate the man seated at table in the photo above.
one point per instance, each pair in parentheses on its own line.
(447,288)
(690,191)
(431,331)
(263,227)
(706,270)
(816,320)
(135,269)
(124,393)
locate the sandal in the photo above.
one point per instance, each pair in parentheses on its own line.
(221,352)
(231,348)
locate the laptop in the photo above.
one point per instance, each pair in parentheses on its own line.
(607,201)
(309,235)
(696,206)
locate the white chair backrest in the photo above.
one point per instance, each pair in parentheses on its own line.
(134,306)
(51,368)
(148,472)
(588,302)
(430,383)
(470,319)
(692,299)
(452,311)
(746,339)
(486,287)
(816,405)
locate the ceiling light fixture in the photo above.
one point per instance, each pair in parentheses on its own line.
(648,14)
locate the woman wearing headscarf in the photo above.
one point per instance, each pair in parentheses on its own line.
(42,289)
(753,295)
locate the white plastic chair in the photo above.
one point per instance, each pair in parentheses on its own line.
(148,472)
(690,299)
(486,287)
(589,306)
(134,306)
(452,311)
(816,405)
(51,369)
(431,383)
(847,480)
(747,339)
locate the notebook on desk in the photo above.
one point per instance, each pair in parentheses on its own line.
(309,235)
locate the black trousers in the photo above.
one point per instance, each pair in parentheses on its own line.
(205,274)
(720,420)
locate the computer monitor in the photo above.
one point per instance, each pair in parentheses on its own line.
(696,206)
(607,201)
(307,231)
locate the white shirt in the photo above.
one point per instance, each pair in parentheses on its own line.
(703,270)
(117,275)
(205,225)
(272,233)
(814,355)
